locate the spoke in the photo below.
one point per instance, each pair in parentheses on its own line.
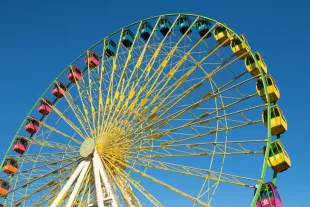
(165,150)
(194,105)
(49,157)
(59,132)
(81,97)
(50,144)
(136,184)
(31,181)
(160,69)
(75,128)
(162,183)
(196,172)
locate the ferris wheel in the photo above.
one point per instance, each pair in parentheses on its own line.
(172,110)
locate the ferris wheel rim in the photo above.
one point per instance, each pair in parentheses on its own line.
(154,17)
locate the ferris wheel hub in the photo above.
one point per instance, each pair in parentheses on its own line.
(87,148)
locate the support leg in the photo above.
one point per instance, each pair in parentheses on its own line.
(99,191)
(78,184)
(105,179)
(68,184)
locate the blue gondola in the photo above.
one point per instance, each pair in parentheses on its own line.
(164,26)
(203,26)
(128,38)
(109,48)
(184,23)
(145,31)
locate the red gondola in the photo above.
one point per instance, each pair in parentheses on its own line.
(10,166)
(20,145)
(74,74)
(59,89)
(4,188)
(92,60)
(268,196)
(32,125)
(45,107)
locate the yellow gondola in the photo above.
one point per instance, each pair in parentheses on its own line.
(273,91)
(239,48)
(278,121)
(252,67)
(278,159)
(222,35)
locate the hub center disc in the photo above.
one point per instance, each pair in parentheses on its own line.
(87,148)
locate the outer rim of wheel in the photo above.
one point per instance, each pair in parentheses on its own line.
(264,168)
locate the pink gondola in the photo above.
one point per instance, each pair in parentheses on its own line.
(59,89)
(44,107)
(32,125)
(74,74)
(269,196)
(20,145)
(92,60)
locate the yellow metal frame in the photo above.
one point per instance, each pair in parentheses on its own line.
(135,103)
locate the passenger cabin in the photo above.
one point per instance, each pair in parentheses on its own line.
(222,35)
(164,25)
(20,145)
(74,74)
(32,125)
(10,166)
(203,26)
(59,89)
(92,59)
(109,48)
(145,31)
(278,159)
(239,48)
(273,91)
(4,188)
(128,38)
(268,196)
(278,121)
(44,106)
(1,205)
(252,67)
(184,24)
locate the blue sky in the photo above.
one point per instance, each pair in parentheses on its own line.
(39,39)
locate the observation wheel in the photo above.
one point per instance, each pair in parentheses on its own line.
(173,110)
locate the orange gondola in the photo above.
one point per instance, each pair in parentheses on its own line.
(10,166)
(4,188)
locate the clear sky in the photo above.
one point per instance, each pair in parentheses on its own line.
(40,38)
